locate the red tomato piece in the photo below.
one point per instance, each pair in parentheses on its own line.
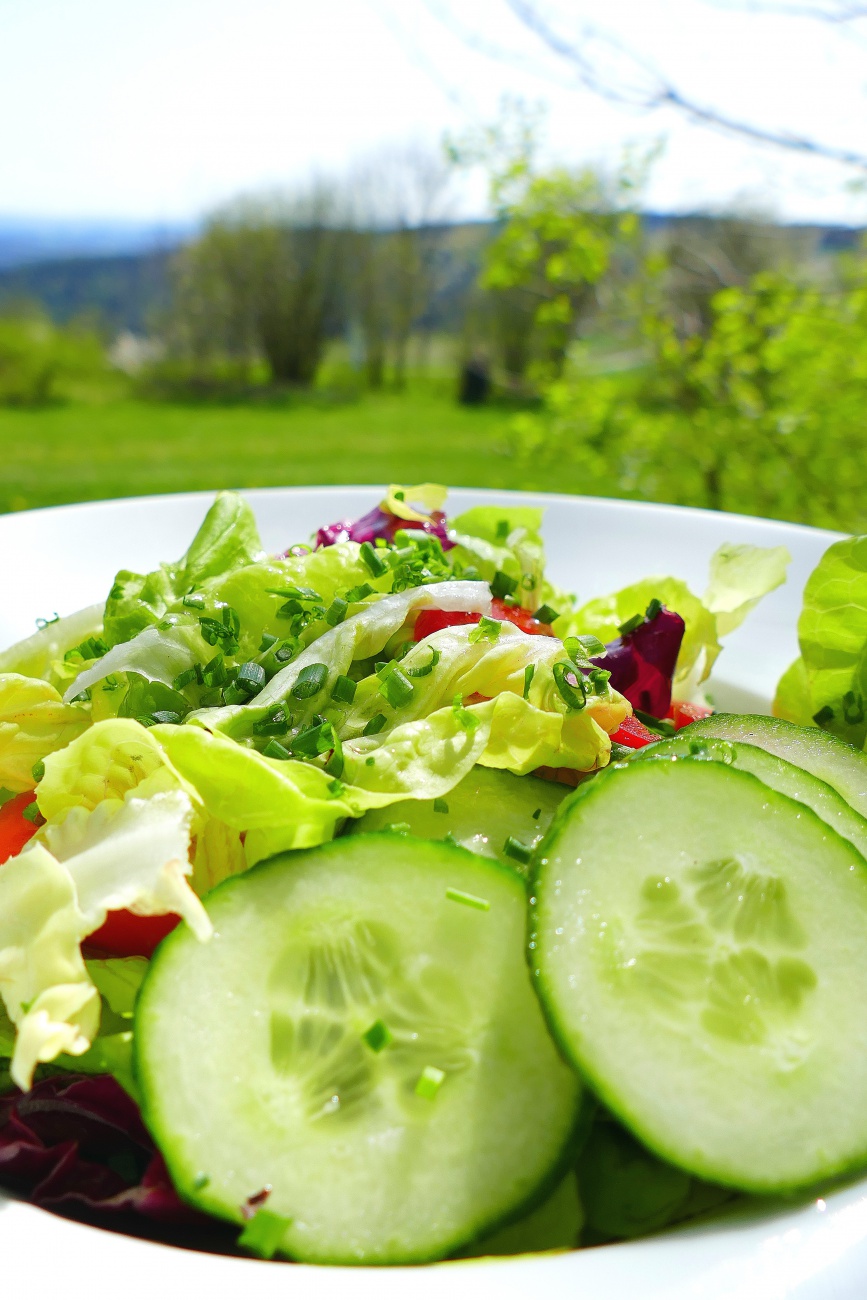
(521,618)
(683,714)
(15,829)
(125,934)
(434,620)
(633,734)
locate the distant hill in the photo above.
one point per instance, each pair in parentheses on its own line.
(25,240)
(121,293)
(118,272)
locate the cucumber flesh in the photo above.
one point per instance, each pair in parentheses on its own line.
(832,760)
(698,940)
(483,810)
(363,1040)
(796,782)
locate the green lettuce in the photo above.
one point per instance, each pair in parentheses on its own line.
(34,722)
(227,539)
(360,637)
(41,655)
(739,576)
(124,853)
(508,539)
(828,684)
(117,980)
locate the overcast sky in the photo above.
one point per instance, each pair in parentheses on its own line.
(160,109)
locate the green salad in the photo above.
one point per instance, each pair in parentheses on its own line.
(378,902)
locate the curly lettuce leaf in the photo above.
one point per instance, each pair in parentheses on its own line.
(34,722)
(44,984)
(830,685)
(131,853)
(360,637)
(114,758)
(401,500)
(227,539)
(41,654)
(739,577)
(508,539)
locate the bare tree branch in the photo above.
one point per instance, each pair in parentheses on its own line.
(631,81)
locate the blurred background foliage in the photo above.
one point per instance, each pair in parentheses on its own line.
(350,331)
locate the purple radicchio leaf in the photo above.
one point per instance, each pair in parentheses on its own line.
(77,1144)
(382,523)
(642,662)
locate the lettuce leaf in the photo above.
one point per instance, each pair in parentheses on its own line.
(360,637)
(34,722)
(39,655)
(507,538)
(44,983)
(829,683)
(130,853)
(227,539)
(739,577)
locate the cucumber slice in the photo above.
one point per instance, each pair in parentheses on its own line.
(482,811)
(700,944)
(825,756)
(361,1036)
(796,782)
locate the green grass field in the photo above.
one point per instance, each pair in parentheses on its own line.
(84,452)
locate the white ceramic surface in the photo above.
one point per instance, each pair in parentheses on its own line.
(65,558)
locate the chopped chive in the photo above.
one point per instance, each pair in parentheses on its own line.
(440,806)
(825,714)
(343,690)
(310,681)
(201,1181)
(38,770)
(378,1036)
(572,692)
(545,614)
(396,687)
(463,717)
(263,1234)
(515,849)
(214,672)
(487,629)
(502,585)
(251,677)
(502,530)
(32,814)
(192,601)
(275,723)
(110,683)
(654,608)
(376,724)
(294,593)
(537,814)
(469,900)
(529,674)
(369,762)
(167,715)
(275,750)
(448,838)
(853,708)
(336,611)
(374,563)
(423,670)
(355,594)
(591,646)
(599,679)
(336,787)
(429,1082)
(185,678)
(284,654)
(268,639)
(661,726)
(398,828)
(631,624)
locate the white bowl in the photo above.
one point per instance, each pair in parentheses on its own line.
(65,558)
